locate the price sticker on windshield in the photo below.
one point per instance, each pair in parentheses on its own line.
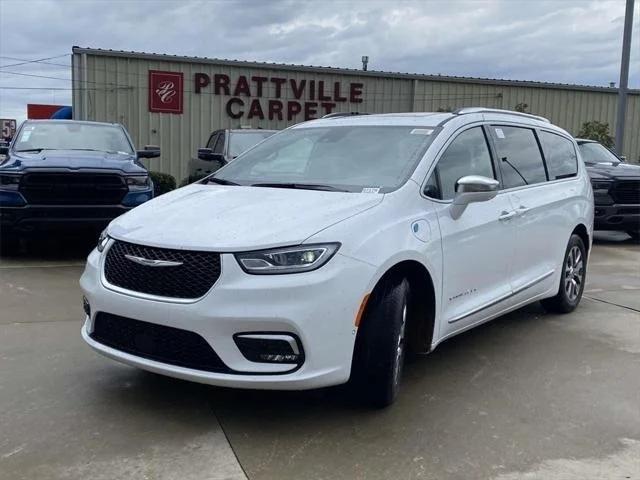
(499,133)
(421,131)
(371,190)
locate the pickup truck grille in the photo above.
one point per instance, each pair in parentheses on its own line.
(73,188)
(189,275)
(626,191)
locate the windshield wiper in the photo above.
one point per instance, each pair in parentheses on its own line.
(33,149)
(301,186)
(220,181)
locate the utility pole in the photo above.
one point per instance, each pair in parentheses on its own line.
(624,77)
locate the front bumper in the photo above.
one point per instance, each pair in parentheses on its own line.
(617,217)
(51,217)
(318,307)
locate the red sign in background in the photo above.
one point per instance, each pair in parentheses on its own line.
(165,91)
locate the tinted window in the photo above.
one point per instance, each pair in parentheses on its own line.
(468,154)
(219,146)
(562,161)
(519,156)
(212,141)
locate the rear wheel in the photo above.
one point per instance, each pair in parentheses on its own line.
(381,344)
(572,279)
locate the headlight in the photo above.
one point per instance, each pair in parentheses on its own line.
(303,258)
(103,239)
(9,182)
(600,186)
(138,182)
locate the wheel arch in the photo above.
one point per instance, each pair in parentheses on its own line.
(423,306)
(582,231)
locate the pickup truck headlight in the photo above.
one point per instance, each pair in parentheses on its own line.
(138,182)
(103,239)
(302,258)
(9,182)
(601,186)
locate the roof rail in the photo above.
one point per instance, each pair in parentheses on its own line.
(343,114)
(463,111)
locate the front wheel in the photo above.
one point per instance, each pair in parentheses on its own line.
(572,279)
(381,344)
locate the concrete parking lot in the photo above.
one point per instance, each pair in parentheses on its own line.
(528,396)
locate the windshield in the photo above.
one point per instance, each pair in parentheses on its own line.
(349,158)
(72,136)
(242,141)
(596,153)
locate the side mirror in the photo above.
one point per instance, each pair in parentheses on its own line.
(475,188)
(623,158)
(207,155)
(150,151)
(4,150)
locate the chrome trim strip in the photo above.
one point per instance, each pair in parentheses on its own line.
(287,338)
(148,262)
(503,297)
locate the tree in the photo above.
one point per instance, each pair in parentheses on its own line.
(598,131)
(521,107)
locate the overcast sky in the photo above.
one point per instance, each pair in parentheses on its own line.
(568,41)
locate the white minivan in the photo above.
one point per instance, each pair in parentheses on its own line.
(326,252)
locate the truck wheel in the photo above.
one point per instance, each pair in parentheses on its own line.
(572,279)
(381,344)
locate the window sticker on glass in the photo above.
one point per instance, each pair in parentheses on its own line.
(499,133)
(371,190)
(25,135)
(422,131)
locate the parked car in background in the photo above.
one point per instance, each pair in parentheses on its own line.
(222,147)
(63,174)
(616,188)
(331,248)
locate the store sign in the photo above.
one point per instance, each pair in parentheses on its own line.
(7,129)
(249,97)
(165,91)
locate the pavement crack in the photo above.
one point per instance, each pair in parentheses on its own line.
(612,303)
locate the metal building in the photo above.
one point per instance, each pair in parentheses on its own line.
(176,102)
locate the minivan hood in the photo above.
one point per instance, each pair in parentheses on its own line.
(73,160)
(235,218)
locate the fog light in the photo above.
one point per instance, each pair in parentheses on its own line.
(86,307)
(270,347)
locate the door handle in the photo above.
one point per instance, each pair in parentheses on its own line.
(506,215)
(522,210)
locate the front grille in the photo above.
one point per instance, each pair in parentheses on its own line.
(626,191)
(192,279)
(73,188)
(164,344)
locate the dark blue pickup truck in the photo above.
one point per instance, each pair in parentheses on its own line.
(67,174)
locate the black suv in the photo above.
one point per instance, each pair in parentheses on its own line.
(222,147)
(616,188)
(65,173)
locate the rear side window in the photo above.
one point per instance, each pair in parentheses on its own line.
(560,154)
(468,154)
(519,156)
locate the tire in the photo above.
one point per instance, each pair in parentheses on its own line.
(9,243)
(572,278)
(380,346)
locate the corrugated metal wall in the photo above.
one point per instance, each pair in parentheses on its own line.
(113,86)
